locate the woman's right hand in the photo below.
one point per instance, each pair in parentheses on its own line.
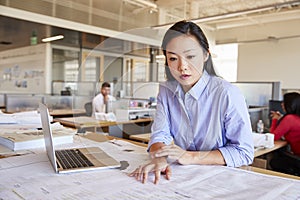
(158,166)
(276,115)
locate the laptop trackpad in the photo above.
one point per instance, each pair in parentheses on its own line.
(99,158)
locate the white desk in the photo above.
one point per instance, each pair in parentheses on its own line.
(145,137)
(277,145)
(32,177)
(67,112)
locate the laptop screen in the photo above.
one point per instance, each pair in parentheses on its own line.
(47,134)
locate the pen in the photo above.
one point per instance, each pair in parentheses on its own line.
(184,195)
(18,194)
(11,155)
(11,138)
(113,142)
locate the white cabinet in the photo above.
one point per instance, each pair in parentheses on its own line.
(134,113)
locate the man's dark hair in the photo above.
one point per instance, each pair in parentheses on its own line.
(105,84)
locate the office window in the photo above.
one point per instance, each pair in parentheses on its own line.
(225,61)
(90,73)
(140,70)
(161,74)
(127,75)
(65,64)
(71,70)
(136,70)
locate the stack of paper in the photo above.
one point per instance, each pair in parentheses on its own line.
(265,140)
(29,139)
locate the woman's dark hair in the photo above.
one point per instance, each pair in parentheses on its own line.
(188,28)
(291,103)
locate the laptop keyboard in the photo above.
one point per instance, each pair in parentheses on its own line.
(72,158)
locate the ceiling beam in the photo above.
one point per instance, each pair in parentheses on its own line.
(52,21)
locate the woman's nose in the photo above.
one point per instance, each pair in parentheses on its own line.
(183,64)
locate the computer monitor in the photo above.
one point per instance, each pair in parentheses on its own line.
(275,105)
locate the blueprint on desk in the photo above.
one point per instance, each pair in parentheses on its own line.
(32,177)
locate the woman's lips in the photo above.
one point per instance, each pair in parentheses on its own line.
(184,76)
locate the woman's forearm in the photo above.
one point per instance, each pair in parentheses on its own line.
(213,157)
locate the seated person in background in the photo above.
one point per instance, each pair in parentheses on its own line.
(287,126)
(100,101)
(205,116)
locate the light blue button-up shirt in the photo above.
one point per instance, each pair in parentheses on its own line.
(211,115)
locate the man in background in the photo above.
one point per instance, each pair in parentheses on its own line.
(101,101)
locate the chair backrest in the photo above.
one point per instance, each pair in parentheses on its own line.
(88,108)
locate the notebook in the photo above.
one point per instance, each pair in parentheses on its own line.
(73,160)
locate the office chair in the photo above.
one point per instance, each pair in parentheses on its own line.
(88,108)
(296,169)
(286,162)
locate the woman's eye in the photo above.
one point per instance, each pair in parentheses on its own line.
(190,57)
(172,59)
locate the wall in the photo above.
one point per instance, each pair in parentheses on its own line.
(112,68)
(271,61)
(24,70)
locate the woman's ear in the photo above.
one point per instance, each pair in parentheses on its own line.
(205,55)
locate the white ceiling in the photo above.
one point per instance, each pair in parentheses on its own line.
(227,20)
(203,8)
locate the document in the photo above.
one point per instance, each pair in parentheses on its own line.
(18,139)
(7,119)
(32,177)
(28,117)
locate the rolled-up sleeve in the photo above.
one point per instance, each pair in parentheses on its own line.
(160,130)
(239,148)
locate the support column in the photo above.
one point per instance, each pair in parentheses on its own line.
(153,65)
(194,10)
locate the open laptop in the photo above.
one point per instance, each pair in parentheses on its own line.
(73,160)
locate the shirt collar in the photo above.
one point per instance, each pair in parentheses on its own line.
(200,86)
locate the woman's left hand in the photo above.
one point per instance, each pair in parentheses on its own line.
(174,152)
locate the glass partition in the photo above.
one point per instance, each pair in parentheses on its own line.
(22,102)
(80,101)
(58,102)
(139,90)
(67,102)
(76,88)
(259,93)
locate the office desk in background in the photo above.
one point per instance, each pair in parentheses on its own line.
(259,152)
(263,156)
(90,123)
(277,145)
(58,113)
(144,137)
(32,177)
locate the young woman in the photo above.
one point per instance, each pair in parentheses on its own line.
(287,126)
(204,116)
